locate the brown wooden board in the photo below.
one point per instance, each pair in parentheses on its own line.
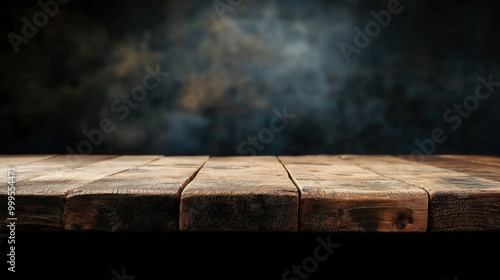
(240,194)
(40,200)
(14,160)
(491,160)
(144,198)
(340,196)
(334,193)
(462,164)
(50,165)
(457,201)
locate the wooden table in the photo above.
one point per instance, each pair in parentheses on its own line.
(316,193)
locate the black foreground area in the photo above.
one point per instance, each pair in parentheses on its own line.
(91,255)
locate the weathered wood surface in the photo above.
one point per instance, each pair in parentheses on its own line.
(340,196)
(263,193)
(476,159)
(464,165)
(240,194)
(14,160)
(144,198)
(457,201)
(48,165)
(40,200)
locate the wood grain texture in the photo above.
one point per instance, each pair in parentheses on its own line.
(240,194)
(49,165)
(476,159)
(40,200)
(463,164)
(14,160)
(144,198)
(457,201)
(339,196)
(323,193)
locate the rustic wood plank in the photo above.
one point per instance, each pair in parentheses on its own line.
(462,164)
(339,196)
(14,160)
(476,159)
(240,194)
(457,201)
(144,198)
(40,200)
(26,171)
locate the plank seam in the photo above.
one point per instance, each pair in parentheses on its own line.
(191,178)
(68,192)
(448,170)
(183,186)
(402,181)
(299,192)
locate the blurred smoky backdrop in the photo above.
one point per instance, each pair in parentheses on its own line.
(235,67)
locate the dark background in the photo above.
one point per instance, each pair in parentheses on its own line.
(227,74)
(226,77)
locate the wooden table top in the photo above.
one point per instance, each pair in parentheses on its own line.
(313,193)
